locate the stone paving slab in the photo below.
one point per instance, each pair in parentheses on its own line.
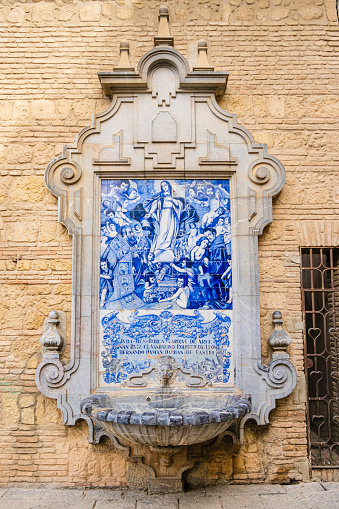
(248,489)
(106,495)
(197,492)
(115,505)
(243,502)
(24,493)
(78,505)
(324,500)
(128,495)
(63,495)
(158,504)
(255,496)
(22,504)
(67,499)
(201,502)
(329,486)
(305,487)
(157,501)
(283,501)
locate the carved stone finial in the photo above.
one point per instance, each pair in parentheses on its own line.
(124,64)
(203,63)
(51,340)
(279,339)
(164,37)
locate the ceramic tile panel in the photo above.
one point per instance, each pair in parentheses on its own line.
(165,276)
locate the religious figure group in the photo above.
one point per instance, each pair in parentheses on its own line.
(165,244)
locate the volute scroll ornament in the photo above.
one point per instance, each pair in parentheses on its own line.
(70,174)
(52,372)
(278,372)
(261,174)
(266,169)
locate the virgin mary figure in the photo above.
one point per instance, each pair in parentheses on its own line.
(165,212)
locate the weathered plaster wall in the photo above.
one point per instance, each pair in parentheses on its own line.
(283,61)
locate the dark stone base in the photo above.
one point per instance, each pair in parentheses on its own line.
(164,485)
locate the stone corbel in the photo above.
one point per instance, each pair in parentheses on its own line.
(269,177)
(279,374)
(52,373)
(51,368)
(61,175)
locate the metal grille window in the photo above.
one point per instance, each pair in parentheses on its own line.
(320,296)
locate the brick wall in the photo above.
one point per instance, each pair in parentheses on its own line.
(282,56)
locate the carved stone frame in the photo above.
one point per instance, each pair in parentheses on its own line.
(226,150)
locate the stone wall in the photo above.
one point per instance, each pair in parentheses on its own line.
(282,56)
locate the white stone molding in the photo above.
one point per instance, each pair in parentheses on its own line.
(202,142)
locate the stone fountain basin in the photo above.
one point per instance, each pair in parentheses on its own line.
(166,419)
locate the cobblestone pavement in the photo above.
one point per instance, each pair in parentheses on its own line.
(264,496)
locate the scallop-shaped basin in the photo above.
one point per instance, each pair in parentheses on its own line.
(165,419)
